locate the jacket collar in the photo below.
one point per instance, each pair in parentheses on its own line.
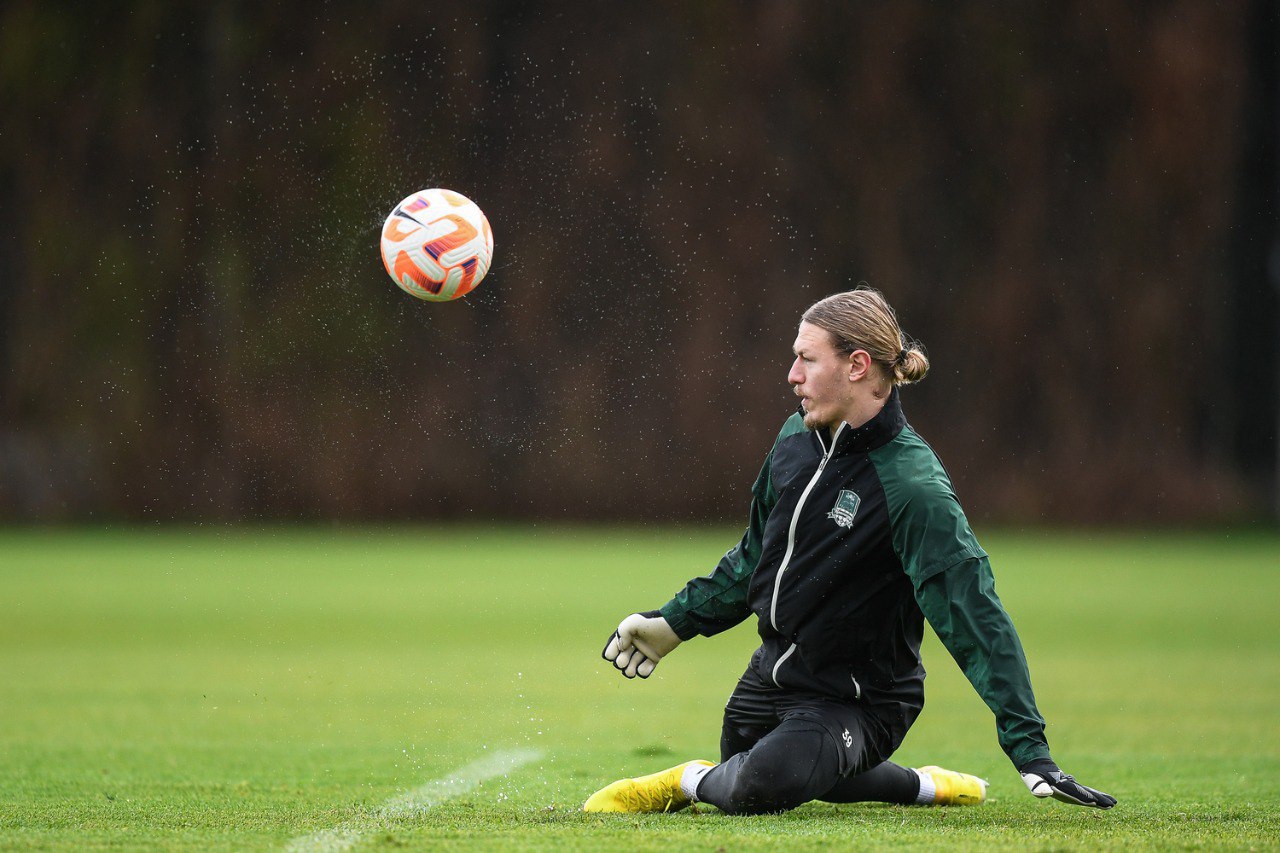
(877,432)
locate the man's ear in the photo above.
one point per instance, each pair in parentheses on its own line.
(859,364)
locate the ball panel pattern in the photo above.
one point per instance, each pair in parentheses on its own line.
(437,245)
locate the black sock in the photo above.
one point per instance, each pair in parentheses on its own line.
(885,783)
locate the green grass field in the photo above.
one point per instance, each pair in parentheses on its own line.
(242,689)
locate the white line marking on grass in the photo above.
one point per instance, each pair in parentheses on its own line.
(346,835)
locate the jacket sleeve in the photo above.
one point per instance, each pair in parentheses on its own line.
(718,601)
(960,603)
(956,591)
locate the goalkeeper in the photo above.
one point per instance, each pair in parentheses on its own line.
(855,538)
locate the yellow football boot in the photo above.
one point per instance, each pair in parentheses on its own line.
(657,792)
(955,789)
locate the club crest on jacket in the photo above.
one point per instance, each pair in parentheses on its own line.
(845,509)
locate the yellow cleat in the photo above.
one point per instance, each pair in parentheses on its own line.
(955,789)
(657,792)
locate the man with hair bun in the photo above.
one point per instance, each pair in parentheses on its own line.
(855,538)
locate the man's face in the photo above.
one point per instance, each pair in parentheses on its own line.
(820,377)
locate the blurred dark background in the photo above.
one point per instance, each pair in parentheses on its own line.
(1072,205)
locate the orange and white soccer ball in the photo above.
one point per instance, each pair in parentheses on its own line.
(437,245)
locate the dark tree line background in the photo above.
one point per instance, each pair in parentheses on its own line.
(1072,206)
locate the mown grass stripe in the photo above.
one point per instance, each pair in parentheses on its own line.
(349,833)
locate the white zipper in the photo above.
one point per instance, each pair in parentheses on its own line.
(785,655)
(857,688)
(791,542)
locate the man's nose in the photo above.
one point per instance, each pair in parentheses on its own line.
(795,376)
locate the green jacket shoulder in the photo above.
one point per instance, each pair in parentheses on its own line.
(929,528)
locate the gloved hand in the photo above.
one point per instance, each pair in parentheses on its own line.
(640,642)
(1044,779)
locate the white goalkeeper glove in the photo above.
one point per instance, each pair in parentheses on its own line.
(640,642)
(1044,779)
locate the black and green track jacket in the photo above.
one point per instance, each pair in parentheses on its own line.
(853,542)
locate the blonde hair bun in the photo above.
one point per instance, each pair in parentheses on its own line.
(912,367)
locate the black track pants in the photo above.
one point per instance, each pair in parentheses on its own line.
(780,749)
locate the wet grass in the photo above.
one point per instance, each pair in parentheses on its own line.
(240,688)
